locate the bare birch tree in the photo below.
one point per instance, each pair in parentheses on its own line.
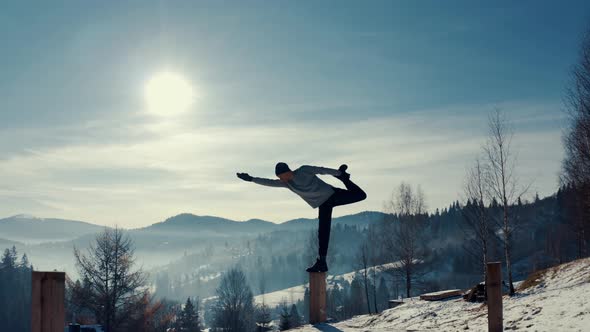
(403,232)
(375,259)
(502,180)
(576,141)
(475,213)
(363,257)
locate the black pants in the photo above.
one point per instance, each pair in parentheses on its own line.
(353,194)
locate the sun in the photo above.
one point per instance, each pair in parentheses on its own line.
(168,94)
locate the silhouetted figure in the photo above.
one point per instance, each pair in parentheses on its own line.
(317,193)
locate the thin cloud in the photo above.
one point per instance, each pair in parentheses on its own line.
(177,169)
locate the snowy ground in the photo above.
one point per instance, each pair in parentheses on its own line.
(293,294)
(288,295)
(559,302)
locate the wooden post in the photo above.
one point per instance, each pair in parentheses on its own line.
(494,294)
(47,302)
(317,297)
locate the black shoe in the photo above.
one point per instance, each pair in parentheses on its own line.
(319,266)
(343,175)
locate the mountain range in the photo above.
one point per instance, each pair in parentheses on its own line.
(34,230)
(49,242)
(31,230)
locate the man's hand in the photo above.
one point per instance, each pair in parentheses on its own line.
(244,176)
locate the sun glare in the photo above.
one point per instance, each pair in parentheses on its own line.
(168,94)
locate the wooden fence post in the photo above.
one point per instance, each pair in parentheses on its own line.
(48,301)
(317,297)
(494,296)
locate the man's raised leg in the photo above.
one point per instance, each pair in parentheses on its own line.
(353,193)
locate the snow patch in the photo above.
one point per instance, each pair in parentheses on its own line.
(296,293)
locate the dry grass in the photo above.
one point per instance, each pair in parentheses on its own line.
(536,278)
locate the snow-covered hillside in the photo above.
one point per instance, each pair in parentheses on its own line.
(557,299)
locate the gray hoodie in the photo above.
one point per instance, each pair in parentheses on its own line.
(306,184)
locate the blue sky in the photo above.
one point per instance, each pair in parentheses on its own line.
(399,90)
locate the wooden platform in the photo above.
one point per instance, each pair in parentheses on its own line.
(47,301)
(437,296)
(317,290)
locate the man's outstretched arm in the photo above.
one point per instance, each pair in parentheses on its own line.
(321,170)
(261,181)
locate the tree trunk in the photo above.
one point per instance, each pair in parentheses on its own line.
(508,266)
(507,248)
(367,292)
(408,282)
(485,262)
(375,290)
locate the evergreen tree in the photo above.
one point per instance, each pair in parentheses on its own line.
(285,322)
(15,293)
(13,254)
(295,318)
(335,303)
(24,261)
(9,259)
(189,317)
(306,300)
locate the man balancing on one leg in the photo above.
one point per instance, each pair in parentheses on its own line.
(317,193)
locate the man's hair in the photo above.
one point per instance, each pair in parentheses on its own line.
(281,168)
